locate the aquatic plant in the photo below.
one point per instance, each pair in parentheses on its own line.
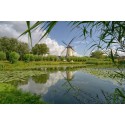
(17,76)
(109,73)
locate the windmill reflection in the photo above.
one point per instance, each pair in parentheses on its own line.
(69,75)
(74,90)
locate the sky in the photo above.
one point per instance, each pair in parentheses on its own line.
(61,32)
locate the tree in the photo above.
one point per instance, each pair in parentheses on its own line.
(2,55)
(97,54)
(23,49)
(13,57)
(40,49)
(8,45)
(28,57)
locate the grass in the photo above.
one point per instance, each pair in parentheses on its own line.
(10,95)
(20,65)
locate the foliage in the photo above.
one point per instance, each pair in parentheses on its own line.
(38,57)
(28,57)
(117,97)
(22,49)
(52,58)
(2,55)
(10,95)
(97,54)
(62,58)
(40,49)
(46,26)
(14,57)
(8,45)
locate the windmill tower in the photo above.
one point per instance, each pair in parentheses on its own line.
(69,49)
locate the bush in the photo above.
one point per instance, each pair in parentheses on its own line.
(37,58)
(62,58)
(29,57)
(2,55)
(14,57)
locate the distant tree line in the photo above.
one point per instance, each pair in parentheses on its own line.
(12,49)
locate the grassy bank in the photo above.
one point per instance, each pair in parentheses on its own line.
(20,65)
(10,95)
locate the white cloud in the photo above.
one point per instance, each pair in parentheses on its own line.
(42,89)
(15,28)
(54,47)
(114,48)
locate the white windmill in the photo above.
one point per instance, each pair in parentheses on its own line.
(69,49)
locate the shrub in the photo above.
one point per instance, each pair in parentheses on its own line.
(37,58)
(2,55)
(14,57)
(29,57)
(62,58)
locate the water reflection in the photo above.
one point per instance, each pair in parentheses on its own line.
(34,84)
(69,87)
(69,75)
(41,78)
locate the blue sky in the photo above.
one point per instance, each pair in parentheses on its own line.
(61,32)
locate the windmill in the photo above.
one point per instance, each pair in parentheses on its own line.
(69,49)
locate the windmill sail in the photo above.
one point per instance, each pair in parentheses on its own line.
(69,48)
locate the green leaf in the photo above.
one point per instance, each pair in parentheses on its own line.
(49,28)
(32,27)
(112,57)
(120,93)
(29,32)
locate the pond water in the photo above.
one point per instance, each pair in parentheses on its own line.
(70,87)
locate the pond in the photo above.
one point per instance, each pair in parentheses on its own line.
(70,86)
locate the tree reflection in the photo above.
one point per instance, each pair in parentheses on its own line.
(41,78)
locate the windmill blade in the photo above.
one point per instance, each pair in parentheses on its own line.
(73,49)
(63,76)
(64,43)
(63,51)
(71,40)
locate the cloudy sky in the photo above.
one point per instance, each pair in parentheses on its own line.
(54,40)
(61,32)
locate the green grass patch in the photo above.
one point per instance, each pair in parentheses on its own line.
(10,95)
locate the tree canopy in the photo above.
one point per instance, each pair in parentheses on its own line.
(40,49)
(8,45)
(97,54)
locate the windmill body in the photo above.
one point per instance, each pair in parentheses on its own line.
(69,49)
